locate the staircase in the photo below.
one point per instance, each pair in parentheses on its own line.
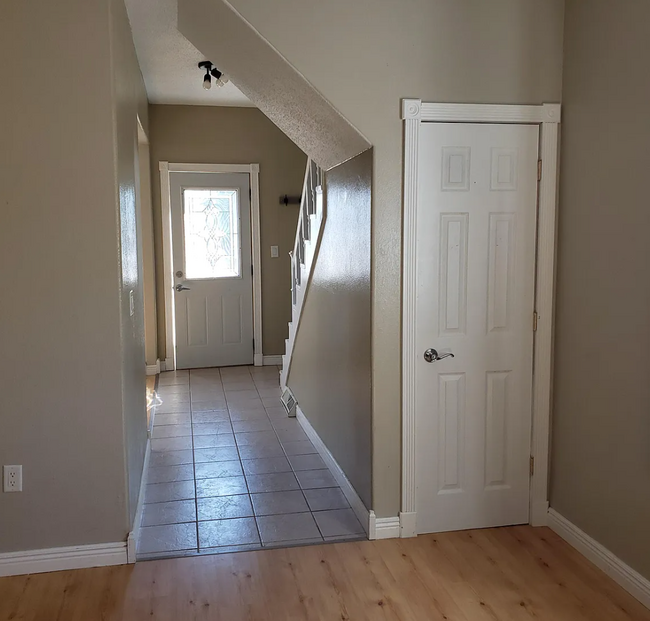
(310,225)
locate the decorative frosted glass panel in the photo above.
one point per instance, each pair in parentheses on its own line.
(211,234)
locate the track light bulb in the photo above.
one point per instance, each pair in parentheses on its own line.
(224,79)
(207,82)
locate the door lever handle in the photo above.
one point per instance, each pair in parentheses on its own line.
(431,355)
(182,288)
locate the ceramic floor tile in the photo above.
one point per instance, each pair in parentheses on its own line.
(338,522)
(168,474)
(167,538)
(224,486)
(285,423)
(298,448)
(243,395)
(166,492)
(217,416)
(223,453)
(206,429)
(231,387)
(268,393)
(292,435)
(242,426)
(311,479)
(266,465)
(259,452)
(275,413)
(180,418)
(256,438)
(237,414)
(225,507)
(218,469)
(272,402)
(169,513)
(275,503)
(326,498)
(273,482)
(173,389)
(170,458)
(215,405)
(312,461)
(171,431)
(238,531)
(288,527)
(172,408)
(180,398)
(215,441)
(171,444)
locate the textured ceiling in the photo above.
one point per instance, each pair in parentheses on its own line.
(169,61)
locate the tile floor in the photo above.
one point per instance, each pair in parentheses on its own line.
(229,471)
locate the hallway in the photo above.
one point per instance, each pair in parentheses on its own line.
(229,471)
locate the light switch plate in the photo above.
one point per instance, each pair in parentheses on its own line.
(274,252)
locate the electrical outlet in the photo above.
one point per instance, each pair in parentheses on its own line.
(274,252)
(13,478)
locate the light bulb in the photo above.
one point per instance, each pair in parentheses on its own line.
(207,82)
(224,79)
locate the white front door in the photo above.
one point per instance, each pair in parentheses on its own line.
(476,221)
(213,283)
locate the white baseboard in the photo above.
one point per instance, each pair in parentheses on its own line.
(58,559)
(132,539)
(632,581)
(383,528)
(167,364)
(408,525)
(346,487)
(258,360)
(272,360)
(153,369)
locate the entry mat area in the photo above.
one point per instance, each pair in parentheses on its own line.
(229,471)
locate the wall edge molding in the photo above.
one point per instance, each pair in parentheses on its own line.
(631,580)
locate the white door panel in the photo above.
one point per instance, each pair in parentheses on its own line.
(477,200)
(211,239)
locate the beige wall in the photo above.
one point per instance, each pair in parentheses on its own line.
(601,423)
(331,365)
(218,135)
(62,327)
(129,103)
(363,56)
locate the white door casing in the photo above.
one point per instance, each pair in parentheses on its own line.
(166,170)
(477,197)
(212,260)
(416,116)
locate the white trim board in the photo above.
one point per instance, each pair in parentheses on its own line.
(632,581)
(59,559)
(272,360)
(132,539)
(547,116)
(383,528)
(168,271)
(153,369)
(346,487)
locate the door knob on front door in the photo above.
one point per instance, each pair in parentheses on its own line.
(182,288)
(431,355)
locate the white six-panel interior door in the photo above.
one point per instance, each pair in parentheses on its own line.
(475,283)
(213,283)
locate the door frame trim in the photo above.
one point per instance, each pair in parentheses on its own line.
(253,171)
(548,116)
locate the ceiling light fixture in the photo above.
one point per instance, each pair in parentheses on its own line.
(210,70)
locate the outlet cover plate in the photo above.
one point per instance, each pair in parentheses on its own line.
(13,478)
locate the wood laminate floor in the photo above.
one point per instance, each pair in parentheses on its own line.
(508,574)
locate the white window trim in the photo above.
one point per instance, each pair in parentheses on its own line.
(168,276)
(547,116)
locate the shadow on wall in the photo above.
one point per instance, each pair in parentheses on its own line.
(331,370)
